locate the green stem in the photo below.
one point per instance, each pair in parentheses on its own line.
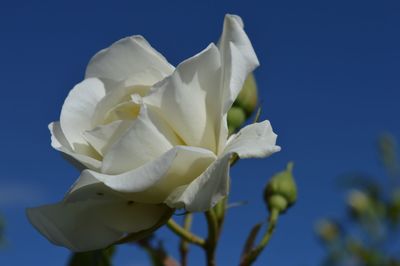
(184,245)
(212,239)
(220,211)
(253,254)
(185,234)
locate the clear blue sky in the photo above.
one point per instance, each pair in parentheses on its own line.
(329,82)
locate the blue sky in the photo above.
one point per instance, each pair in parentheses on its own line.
(329,82)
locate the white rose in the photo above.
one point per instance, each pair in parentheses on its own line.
(151,138)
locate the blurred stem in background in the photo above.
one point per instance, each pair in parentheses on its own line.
(184,245)
(2,232)
(156,252)
(154,249)
(370,234)
(388,156)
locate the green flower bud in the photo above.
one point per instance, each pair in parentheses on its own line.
(364,206)
(248,96)
(327,230)
(358,202)
(281,191)
(236,118)
(244,105)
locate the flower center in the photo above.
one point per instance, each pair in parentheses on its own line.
(118,104)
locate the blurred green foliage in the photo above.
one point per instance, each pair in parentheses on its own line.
(369,235)
(92,258)
(153,247)
(156,252)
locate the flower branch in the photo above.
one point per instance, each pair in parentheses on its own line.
(185,234)
(279,195)
(253,254)
(184,245)
(212,239)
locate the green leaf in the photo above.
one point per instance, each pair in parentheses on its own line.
(388,154)
(251,238)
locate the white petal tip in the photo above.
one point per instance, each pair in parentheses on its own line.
(277,149)
(234,18)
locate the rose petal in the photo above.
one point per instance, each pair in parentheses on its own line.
(60,143)
(206,190)
(93,224)
(119,94)
(238,60)
(189,99)
(58,139)
(146,139)
(127,58)
(204,87)
(255,140)
(102,137)
(78,109)
(93,216)
(154,181)
(237,56)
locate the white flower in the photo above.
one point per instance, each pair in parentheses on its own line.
(150,138)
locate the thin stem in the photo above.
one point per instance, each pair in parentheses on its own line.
(185,234)
(220,211)
(253,254)
(184,245)
(257,116)
(212,239)
(212,221)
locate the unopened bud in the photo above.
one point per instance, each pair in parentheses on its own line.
(327,230)
(248,96)
(359,203)
(281,191)
(236,118)
(244,105)
(362,205)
